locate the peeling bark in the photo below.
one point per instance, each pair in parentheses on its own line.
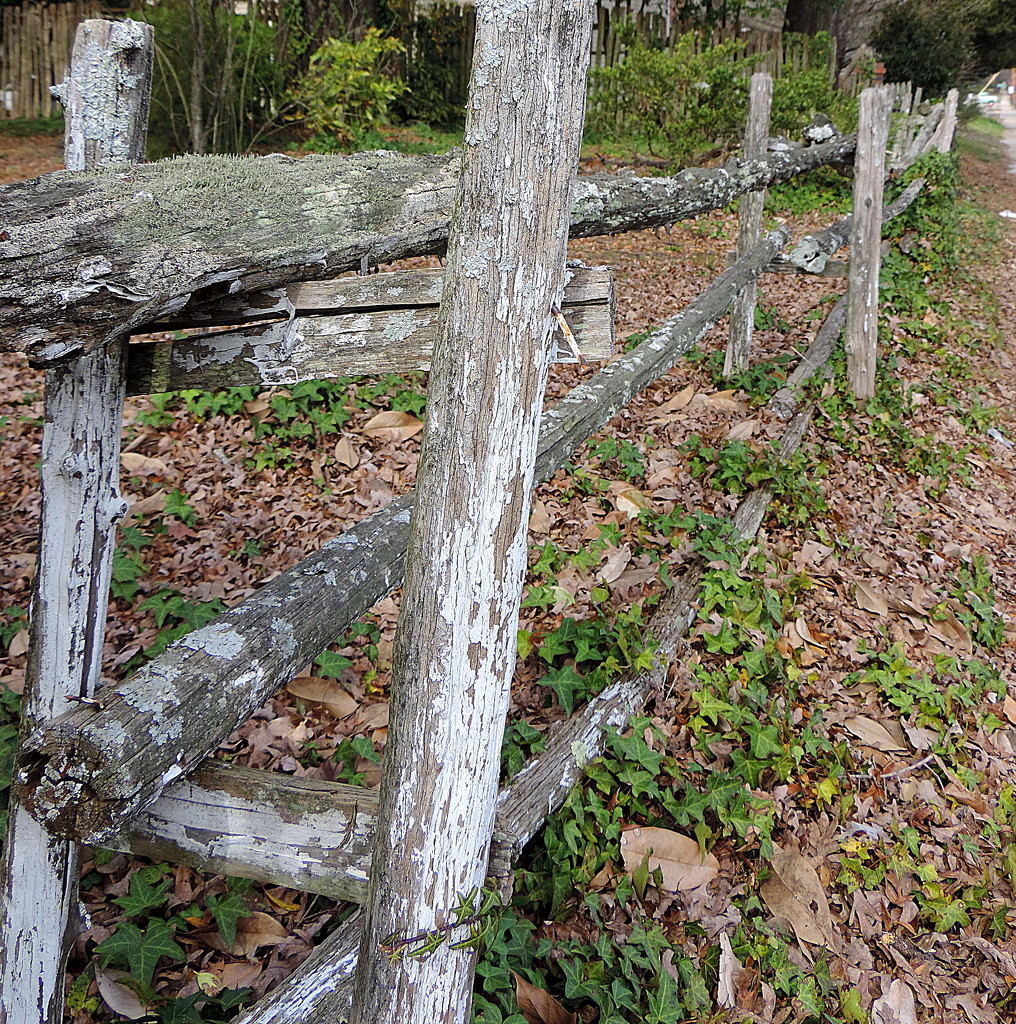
(455,645)
(115,250)
(127,753)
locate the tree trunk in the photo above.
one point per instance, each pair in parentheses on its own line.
(106,100)
(198,127)
(456,642)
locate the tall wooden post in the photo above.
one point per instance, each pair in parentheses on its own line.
(749,223)
(947,129)
(455,649)
(865,238)
(106,98)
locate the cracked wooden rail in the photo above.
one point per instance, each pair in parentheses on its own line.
(92,770)
(380,323)
(100,255)
(811,254)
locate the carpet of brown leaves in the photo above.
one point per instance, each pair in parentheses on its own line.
(902,544)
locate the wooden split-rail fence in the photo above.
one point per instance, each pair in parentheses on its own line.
(127,767)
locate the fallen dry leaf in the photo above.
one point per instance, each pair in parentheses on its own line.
(870,600)
(539,519)
(314,690)
(726,992)
(678,857)
(743,430)
(135,464)
(675,404)
(538,1006)
(345,454)
(18,644)
(252,932)
(895,1006)
(631,501)
(870,732)
(615,564)
(392,426)
(794,892)
(373,716)
(120,999)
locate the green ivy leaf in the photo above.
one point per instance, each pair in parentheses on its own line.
(138,951)
(142,896)
(331,665)
(227,910)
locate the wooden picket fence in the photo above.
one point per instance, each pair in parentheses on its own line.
(35,49)
(125,766)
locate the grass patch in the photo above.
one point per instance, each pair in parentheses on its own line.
(27,127)
(980,137)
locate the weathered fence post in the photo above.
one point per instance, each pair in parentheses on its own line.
(455,649)
(749,223)
(861,338)
(947,127)
(106,99)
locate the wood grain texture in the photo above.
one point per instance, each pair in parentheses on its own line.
(456,642)
(861,329)
(749,224)
(383,323)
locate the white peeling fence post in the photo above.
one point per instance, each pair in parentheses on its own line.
(105,97)
(749,224)
(861,337)
(456,644)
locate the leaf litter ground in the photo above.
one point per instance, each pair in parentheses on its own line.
(895,874)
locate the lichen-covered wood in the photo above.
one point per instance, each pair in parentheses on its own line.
(811,254)
(128,752)
(106,100)
(383,323)
(115,250)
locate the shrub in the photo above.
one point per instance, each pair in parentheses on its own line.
(346,89)
(924,43)
(676,103)
(241,77)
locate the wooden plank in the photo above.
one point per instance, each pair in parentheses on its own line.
(120,251)
(381,323)
(81,505)
(943,137)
